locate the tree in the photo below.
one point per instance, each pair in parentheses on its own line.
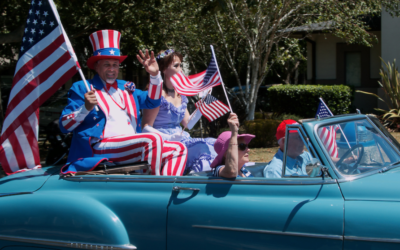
(253,36)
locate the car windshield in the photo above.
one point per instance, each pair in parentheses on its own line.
(356,147)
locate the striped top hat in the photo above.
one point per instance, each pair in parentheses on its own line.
(105,45)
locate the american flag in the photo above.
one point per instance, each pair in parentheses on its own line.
(192,85)
(327,134)
(211,108)
(46,61)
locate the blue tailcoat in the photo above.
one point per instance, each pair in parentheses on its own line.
(81,155)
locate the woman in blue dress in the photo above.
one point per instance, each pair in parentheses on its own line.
(172,113)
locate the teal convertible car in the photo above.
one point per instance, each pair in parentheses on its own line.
(347,200)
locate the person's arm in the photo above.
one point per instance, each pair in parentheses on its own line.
(230,170)
(273,169)
(185,119)
(348,160)
(149,116)
(152,98)
(77,109)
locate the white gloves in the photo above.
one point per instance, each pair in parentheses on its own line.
(174,137)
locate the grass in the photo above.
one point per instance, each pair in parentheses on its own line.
(262,154)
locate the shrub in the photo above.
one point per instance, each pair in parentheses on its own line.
(264,130)
(258,115)
(391,85)
(303,100)
(288,116)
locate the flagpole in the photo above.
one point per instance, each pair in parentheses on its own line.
(223,85)
(69,45)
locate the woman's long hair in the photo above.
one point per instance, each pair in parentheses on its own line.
(164,62)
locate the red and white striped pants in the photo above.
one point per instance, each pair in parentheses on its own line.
(165,157)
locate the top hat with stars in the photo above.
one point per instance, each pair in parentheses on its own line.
(105,45)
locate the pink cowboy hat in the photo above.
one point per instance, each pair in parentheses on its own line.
(222,143)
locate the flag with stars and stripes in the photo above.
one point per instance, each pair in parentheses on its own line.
(211,108)
(192,85)
(46,61)
(327,134)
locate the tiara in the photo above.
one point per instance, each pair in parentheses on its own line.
(165,53)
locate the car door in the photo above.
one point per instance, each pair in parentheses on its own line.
(89,212)
(291,212)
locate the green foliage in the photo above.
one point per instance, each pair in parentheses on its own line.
(303,100)
(138,22)
(258,115)
(391,85)
(250,46)
(264,130)
(288,116)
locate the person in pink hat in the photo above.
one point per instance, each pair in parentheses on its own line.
(112,130)
(297,159)
(233,151)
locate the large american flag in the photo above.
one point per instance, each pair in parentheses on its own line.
(211,108)
(327,134)
(192,85)
(46,61)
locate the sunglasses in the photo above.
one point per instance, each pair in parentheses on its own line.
(243,146)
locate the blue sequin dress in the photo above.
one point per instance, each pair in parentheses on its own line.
(200,151)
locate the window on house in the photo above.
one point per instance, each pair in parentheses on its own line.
(353,68)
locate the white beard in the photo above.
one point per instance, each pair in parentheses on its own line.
(110,81)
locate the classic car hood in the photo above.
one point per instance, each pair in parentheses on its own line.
(28,181)
(379,187)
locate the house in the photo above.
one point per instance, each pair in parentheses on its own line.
(331,61)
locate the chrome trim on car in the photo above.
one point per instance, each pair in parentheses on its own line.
(11,194)
(108,178)
(321,236)
(60,243)
(177,189)
(202,180)
(386,240)
(252,181)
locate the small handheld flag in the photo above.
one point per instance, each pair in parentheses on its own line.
(192,85)
(328,134)
(212,108)
(323,110)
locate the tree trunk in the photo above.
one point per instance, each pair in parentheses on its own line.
(252,109)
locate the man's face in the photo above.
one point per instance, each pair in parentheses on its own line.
(107,69)
(295,145)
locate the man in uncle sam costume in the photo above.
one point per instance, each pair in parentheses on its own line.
(105,121)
